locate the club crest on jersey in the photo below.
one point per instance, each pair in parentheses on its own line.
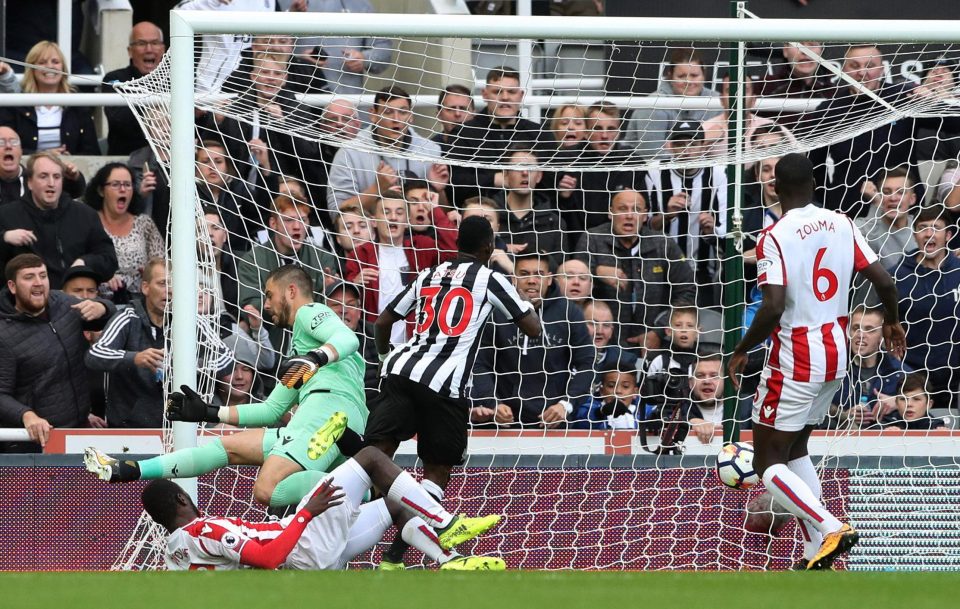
(815,227)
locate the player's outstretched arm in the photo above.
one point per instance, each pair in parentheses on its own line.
(273,553)
(764,323)
(893,334)
(381,331)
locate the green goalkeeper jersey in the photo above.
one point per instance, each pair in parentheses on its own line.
(314,326)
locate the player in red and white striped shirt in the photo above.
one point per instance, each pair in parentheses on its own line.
(805,263)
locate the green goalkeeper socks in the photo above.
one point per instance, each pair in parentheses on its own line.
(292,488)
(185,463)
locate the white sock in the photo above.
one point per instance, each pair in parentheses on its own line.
(812,538)
(794,494)
(418,534)
(433,488)
(409,495)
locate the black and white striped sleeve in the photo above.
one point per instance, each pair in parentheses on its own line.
(406,300)
(110,352)
(505,298)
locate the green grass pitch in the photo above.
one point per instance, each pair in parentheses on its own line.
(516,589)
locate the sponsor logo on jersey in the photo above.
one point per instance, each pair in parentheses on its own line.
(319,317)
(767,412)
(286,440)
(763,265)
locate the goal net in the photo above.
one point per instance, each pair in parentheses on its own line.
(627,182)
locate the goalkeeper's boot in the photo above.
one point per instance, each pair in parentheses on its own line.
(324,438)
(474,563)
(463,528)
(389,565)
(834,544)
(103,465)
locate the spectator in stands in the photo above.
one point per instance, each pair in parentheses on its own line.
(761,207)
(256,134)
(683,336)
(359,177)
(240,384)
(135,237)
(454,108)
(568,130)
(491,134)
(888,225)
(82,282)
(683,76)
(341,121)
(421,201)
(303,74)
(540,380)
(243,207)
(706,394)
(150,181)
(62,129)
(615,403)
(345,61)
(690,206)
(913,405)
(43,383)
(352,230)
(482,206)
(385,267)
(528,219)
(131,352)
(145,49)
(224,261)
(220,54)
(602,328)
(938,83)
(574,280)
(604,125)
(848,183)
(345,300)
(798,75)
(288,244)
(715,137)
(8,79)
(868,393)
(642,271)
(47,222)
(13,178)
(929,284)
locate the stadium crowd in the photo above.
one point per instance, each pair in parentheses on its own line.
(624,267)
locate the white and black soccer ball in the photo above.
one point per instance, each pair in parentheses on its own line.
(735,466)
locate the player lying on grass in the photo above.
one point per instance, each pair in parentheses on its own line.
(325,376)
(806,317)
(329,528)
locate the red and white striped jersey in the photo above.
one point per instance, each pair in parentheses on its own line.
(813,253)
(216,543)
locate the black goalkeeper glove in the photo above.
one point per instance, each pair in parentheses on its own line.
(298,370)
(189,406)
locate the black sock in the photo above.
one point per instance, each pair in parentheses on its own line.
(127,471)
(397,549)
(350,443)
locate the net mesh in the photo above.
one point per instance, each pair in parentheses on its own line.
(288,171)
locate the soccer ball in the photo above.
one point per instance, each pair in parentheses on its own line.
(735,466)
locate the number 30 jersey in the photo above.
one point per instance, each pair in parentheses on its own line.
(452,301)
(813,253)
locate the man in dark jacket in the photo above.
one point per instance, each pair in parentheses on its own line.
(535,381)
(13,178)
(146,48)
(643,271)
(131,352)
(43,383)
(49,223)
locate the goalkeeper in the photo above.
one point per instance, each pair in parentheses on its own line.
(324,375)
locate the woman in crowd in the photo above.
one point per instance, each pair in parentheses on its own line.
(63,129)
(134,235)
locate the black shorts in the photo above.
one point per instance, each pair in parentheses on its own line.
(405,408)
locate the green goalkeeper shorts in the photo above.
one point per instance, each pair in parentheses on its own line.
(315,409)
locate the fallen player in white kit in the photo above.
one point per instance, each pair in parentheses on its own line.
(332,525)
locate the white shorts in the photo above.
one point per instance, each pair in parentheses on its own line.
(788,405)
(337,535)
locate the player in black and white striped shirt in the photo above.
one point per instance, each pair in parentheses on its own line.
(426,380)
